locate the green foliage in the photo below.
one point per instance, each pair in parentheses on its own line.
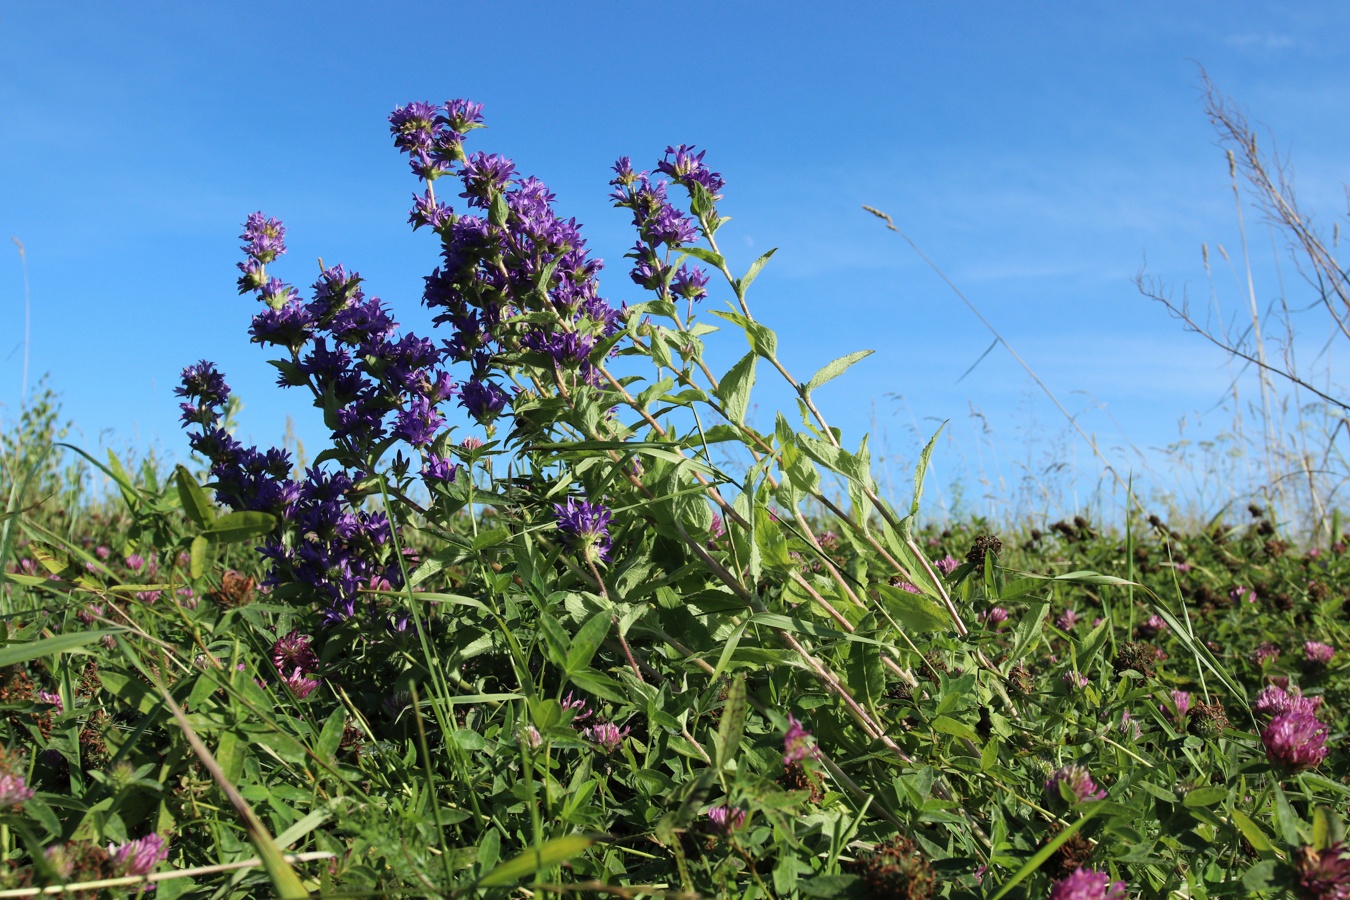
(760,681)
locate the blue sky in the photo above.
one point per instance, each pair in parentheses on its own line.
(1041,154)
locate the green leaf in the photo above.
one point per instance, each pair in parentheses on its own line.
(492,538)
(193,499)
(199,556)
(954,727)
(1285,819)
(834,369)
(23,651)
(920,473)
(770,541)
(763,340)
(1029,629)
(914,612)
(1260,877)
(601,686)
(732,727)
(729,649)
(498,211)
(830,886)
(753,272)
(587,641)
(734,389)
(1205,796)
(551,853)
(330,738)
(1252,832)
(706,255)
(556,642)
(236,527)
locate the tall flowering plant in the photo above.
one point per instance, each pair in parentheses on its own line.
(580,624)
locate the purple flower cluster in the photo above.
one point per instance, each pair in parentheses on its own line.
(1265,654)
(325,543)
(1295,741)
(584,527)
(1324,874)
(245,478)
(797,744)
(1181,705)
(1318,653)
(605,735)
(1087,884)
(1275,701)
(296,662)
(727,818)
(1078,782)
(138,857)
(662,227)
(948,564)
(13,790)
(506,255)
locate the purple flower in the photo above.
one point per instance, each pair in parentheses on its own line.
(1266,653)
(53,700)
(427,210)
(1129,727)
(584,527)
(461,116)
(203,384)
(1076,782)
(796,742)
(265,239)
(1324,874)
(1067,620)
(1151,628)
(139,857)
(483,399)
(485,175)
(1075,679)
(908,587)
(438,468)
(1317,652)
(13,790)
(294,652)
(692,284)
(686,168)
(1087,884)
(1181,704)
(994,616)
(576,705)
(727,818)
(419,422)
(1295,741)
(299,684)
(718,527)
(1240,593)
(1274,701)
(289,325)
(606,734)
(947,565)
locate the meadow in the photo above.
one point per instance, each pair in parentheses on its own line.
(570,649)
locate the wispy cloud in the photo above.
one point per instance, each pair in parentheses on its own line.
(1267,41)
